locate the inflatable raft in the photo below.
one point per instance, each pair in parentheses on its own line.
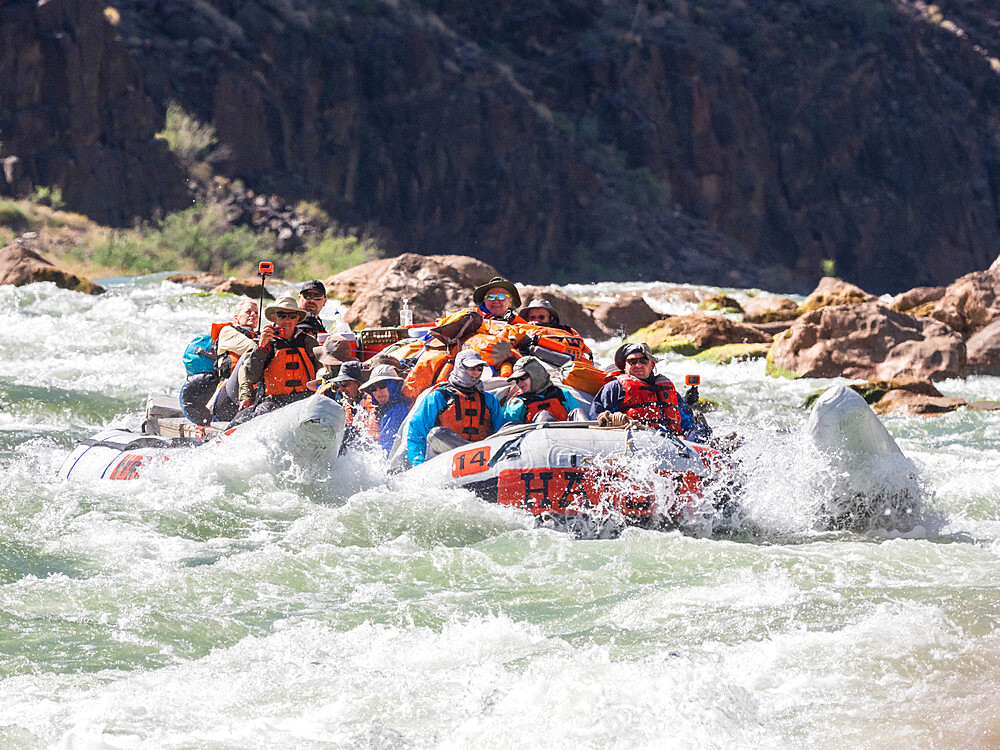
(309,432)
(559,470)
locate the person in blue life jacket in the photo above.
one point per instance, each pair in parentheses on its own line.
(386,405)
(460,405)
(642,395)
(497,300)
(537,398)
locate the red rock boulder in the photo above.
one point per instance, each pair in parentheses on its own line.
(869,341)
(768,308)
(690,334)
(917,297)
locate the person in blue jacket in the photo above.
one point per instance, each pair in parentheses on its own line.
(460,405)
(537,397)
(387,406)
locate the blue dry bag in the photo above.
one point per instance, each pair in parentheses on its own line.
(199,357)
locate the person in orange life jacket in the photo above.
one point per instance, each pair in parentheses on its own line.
(233,340)
(641,394)
(541,312)
(497,299)
(312,297)
(281,365)
(460,405)
(387,406)
(198,389)
(537,398)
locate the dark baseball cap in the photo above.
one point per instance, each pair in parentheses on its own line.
(313,285)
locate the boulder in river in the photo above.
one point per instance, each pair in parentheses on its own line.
(868,341)
(571,311)
(430,284)
(625,315)
(246,287)
(983,350)
(769,308)
(20,265)
(831,292)
(690,334)
(971,302)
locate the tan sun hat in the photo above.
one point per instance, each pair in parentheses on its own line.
(284,304)
(381,374)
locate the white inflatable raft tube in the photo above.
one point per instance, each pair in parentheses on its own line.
(310,431)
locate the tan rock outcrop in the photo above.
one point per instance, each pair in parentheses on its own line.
(690,334)
(245,287)
(914,298)
(431,285)
(868,341)
(983,350)
(21,264)
(831,292)
(971,302)
(625,315)
(206,281)
(768,308)
(571,311)
(915,404)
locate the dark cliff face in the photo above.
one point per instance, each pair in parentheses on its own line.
(725,141)
(73,114)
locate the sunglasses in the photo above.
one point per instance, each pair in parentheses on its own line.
(522,377)
(495,297)
(637,360)
(312,295)
(380,387)
(475,367)
(285,315)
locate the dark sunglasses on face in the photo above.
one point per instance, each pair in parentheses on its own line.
(285,315)
(312,295)
(522,378)
(637,360)
(495,297)
(476,367)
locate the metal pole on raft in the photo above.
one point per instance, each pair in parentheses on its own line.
(264,268)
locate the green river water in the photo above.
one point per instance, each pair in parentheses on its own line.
(225,606)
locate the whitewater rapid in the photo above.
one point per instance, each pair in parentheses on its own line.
(230,604)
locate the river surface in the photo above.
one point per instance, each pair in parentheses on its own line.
(225,606)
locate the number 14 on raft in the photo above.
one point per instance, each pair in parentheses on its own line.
(471,461)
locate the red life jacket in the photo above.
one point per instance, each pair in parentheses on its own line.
(550,401)
(655,404)
(466,415)
(288,371)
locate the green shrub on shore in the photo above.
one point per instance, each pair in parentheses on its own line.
(186,136)
(14,216)
(198,237)
(332,254)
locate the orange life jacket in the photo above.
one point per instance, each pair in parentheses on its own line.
(555,339)
(288,371)
(466,415)
(373,424)
(654,404)
(551,401)
(215,332)
(493,349)
(434,366)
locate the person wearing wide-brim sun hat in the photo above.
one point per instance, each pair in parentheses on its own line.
(497,300)
(387,406)
(276,372)
(642,395)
